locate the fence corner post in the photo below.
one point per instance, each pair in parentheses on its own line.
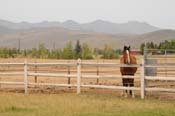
(78,76)
(25,77)
(142,80)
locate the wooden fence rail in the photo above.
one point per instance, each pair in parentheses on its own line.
(78,75)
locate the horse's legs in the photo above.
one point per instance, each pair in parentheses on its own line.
(126,91)
(131,84)
(132,93)
(125,84)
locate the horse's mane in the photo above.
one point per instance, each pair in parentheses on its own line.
(132,58)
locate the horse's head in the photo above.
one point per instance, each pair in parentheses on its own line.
(126,54)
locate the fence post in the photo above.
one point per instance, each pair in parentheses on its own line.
(78,76)
(25,77)
(0,81)
(36,68)
(97,72)
(165,63)
(142,80)
(68,71)
(145,58)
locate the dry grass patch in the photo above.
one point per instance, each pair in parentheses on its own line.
(69,104)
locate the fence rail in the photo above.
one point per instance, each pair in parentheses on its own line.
(79,75)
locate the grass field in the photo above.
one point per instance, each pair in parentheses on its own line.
(69,104)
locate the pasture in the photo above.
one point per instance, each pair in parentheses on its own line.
(85,104)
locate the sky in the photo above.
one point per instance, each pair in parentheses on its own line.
(159,13)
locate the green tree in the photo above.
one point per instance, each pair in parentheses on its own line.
(34,53)
(109,53)
(86,51)
(55,54)
(42,51)
(78,50)
(5,53)
(68,52)
(142,47)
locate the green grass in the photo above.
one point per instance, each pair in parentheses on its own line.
(69,104)
(17,109)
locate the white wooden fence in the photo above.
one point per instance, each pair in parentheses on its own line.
(79,75)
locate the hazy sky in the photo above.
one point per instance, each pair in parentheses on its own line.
(160,13)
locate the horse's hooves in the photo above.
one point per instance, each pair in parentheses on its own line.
(122,94)
(125,96)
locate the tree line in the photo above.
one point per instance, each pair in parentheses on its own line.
(83,51)
(162,45)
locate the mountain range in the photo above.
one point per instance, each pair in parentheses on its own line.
(96,34)
(131,27)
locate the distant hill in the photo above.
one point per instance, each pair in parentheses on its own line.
(58,37)
(54,36)
(5,30)
(132,27)
(156,37)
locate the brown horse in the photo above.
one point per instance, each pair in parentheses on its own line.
(127,58)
